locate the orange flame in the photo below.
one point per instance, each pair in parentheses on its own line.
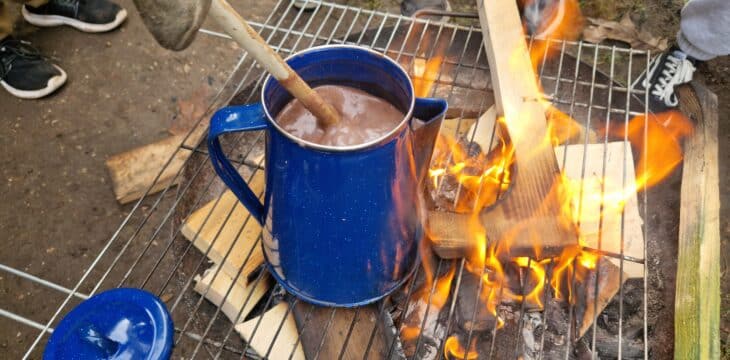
(657,137)
(441,292)
(562,20)
(425,74)
(537,273)
(408,333)
(443,288)
(482,177)
(561,127)
(454,350)
(438,299)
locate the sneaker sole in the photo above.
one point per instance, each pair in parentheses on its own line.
(53,84)
(57,20)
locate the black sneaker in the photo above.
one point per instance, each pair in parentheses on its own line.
(25,73)
(85,15)
(666,71)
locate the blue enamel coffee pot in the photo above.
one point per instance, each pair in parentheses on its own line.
(341,225)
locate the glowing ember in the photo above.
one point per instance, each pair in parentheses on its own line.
(454,350)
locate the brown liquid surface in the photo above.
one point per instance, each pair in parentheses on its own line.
(364,117)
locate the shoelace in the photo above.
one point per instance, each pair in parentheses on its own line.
(15,49)
(677,70)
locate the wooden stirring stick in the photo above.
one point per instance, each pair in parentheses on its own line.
(249,39)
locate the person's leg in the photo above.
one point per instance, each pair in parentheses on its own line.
(87,16)
(705,29)
(703,34)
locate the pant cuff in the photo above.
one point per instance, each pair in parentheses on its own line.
(692,50)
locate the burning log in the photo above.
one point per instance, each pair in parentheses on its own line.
(216,229)
(472,308)
(451,238)
(274,334)
(450,232)
(562,129)
(532,200)
(594,290)
(423,326)
(607,346)
(533,324)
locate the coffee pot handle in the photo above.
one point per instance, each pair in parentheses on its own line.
(235,119)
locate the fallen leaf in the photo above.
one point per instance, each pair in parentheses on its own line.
(625,30)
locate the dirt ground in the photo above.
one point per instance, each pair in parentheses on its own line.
(58,208)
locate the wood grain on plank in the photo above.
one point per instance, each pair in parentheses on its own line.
(135,171)
(697,299)
(236,299)
(530,203)
(359,324)
(216,228)
(275,335)
(608,196)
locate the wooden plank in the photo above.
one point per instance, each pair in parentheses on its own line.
(530,204)
(241,297)
(697,299)
(212,225)
(610,196)
(134,171)
(266,334)
(481,132)
(313,320)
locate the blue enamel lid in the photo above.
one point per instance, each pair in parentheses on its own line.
(115,324)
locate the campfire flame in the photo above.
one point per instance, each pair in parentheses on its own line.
(426,73)
(454,350)
(483,176)
(658,136)
(561,20)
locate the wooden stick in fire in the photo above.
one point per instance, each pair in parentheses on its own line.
(251,41)
(531,206)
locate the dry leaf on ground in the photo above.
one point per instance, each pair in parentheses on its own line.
(624,30)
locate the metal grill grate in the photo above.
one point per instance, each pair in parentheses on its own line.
(581,79)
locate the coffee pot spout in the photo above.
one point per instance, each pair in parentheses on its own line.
(428,114)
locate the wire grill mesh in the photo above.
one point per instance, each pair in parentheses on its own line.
(581,79)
